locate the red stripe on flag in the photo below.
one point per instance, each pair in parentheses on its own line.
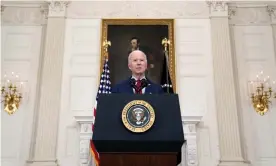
(94,118)
(104,87)
(94,153)
(93,150)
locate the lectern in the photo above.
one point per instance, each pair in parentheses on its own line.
(135,130)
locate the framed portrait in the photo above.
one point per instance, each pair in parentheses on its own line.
(146,35)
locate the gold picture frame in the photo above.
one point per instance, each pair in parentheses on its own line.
(168,22)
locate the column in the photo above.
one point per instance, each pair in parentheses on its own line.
(44,145)
(272,13)
(226,104)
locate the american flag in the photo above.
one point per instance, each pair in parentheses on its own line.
(104,87)
(166,82)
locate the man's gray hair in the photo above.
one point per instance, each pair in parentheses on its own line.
(136,51)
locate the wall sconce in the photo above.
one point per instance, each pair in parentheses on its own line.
(261,91)
(11,93)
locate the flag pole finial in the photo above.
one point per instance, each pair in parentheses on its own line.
(106,44)
(165,43)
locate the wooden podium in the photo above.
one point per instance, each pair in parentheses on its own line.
(138,159)
(159,146)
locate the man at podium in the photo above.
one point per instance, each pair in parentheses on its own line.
(138,83)
(138,129)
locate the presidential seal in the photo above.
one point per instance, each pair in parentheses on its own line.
(138,116)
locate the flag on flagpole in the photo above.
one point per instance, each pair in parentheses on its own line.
(105,88)
(166,82)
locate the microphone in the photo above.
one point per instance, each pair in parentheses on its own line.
(144,83)
(132,82)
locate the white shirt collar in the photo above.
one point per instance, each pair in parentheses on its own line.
(140,78)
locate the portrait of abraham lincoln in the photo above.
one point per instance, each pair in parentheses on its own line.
(130,35)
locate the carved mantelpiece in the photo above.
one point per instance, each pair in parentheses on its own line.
(85,128)
(189,125)
(190,134)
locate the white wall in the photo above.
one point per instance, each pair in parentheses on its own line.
(255,53)
(21,40)
(253,48)
(79,86)
(20,54)
(195,83)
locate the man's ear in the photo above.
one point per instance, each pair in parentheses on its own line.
(129,67)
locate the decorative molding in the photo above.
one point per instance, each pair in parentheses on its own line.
(218,8)
(249,16)
(132,9)
(14,15)
(85,123)
(231,12)
(84,119)
(23,4)
(272,13)
(2,8)
(84,151)
(44,11)
(190,134)
(250,4)
(191,119)
(57,8)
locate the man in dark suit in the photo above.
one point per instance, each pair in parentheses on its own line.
(137,63)
(138,83)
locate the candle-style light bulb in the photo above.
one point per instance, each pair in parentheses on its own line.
(268,82)
(274,85)
(21,86)
(251,88)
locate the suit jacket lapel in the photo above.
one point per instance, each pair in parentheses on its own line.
(148,89)
(130,89)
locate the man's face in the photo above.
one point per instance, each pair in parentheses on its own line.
(134,43)
(137,63)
